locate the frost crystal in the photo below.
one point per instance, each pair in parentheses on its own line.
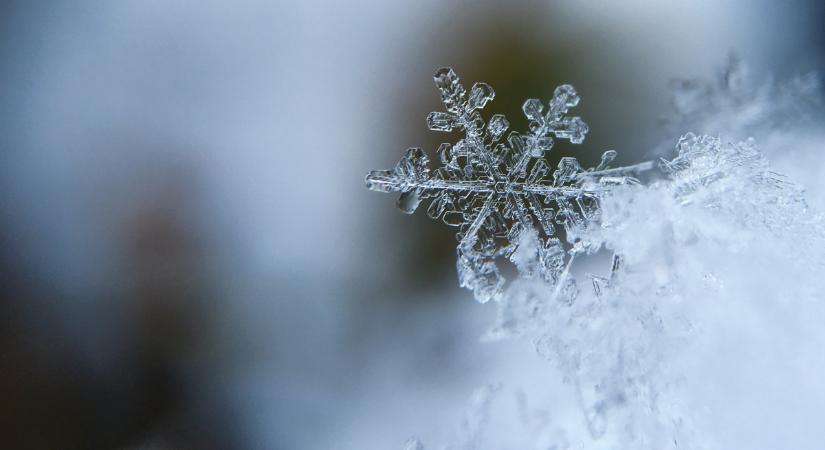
(714,233)
(716,286)
(501,192)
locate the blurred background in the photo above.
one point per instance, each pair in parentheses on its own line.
(188,255)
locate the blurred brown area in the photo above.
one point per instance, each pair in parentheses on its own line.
(130,391)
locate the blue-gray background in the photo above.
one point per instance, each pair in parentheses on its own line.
(189,257)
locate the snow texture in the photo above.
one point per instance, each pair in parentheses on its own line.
(707,332)
(683,346)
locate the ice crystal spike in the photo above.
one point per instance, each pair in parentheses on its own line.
(501,193)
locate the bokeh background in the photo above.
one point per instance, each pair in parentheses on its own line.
(188,255)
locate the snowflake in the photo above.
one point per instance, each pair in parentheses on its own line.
(501,192)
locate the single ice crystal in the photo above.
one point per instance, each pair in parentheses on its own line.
(497,125)
(500,192)
(480,95)
(440,121)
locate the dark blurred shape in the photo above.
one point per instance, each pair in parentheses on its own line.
(130,390)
